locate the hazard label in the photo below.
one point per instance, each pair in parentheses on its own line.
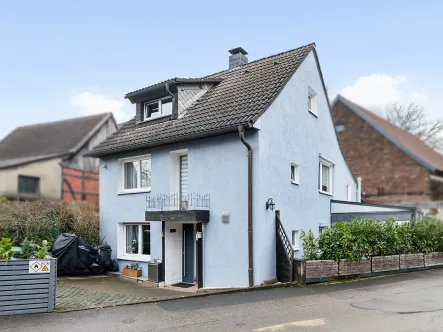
(39,266)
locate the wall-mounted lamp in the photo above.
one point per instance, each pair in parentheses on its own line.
(270,204)
(104,166)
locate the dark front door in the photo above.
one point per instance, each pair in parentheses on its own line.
(188,253)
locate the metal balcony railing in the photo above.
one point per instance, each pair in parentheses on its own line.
(180,202)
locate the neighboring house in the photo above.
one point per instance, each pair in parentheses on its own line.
(193,177)
(395,165)
(47,159)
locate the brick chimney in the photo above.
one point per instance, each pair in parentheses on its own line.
(237,58)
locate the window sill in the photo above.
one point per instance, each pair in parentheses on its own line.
(314,114)
(156,118)
(135,258)
(295,248)
(325,193)
(134,191)
(296,183)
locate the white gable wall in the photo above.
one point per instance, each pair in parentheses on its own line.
(291,134)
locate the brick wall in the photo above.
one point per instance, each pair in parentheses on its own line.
(389,175)
(80,186)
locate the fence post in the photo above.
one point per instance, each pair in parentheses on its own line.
(299,271)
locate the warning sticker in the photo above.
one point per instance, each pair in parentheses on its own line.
(39,266)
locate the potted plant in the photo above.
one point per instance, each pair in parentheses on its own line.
(132,270)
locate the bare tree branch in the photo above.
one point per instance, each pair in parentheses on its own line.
(413,119)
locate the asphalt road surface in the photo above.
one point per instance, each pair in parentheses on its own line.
(404,302)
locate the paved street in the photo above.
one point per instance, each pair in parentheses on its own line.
(407,303)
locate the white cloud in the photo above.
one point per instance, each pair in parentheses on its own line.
(96,103)
(380,90)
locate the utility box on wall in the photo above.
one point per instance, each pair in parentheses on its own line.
(27,286)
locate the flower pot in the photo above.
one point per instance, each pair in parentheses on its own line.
(136,273)
(126,272)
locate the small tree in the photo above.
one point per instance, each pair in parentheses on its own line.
(413,119)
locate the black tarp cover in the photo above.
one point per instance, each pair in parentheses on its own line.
(72,253)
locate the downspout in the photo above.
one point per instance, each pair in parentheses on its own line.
(174,116)
(241,131)
(169,91)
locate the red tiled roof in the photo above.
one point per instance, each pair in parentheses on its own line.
(406,141)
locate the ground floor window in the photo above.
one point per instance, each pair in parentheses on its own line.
(137,240)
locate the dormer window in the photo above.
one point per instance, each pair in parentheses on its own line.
(157,109)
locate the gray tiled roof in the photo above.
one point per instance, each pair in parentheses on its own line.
(242,95)
(46,140)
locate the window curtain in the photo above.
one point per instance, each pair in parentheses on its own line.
(132,239)
(131,170)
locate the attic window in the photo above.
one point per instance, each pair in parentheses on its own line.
(158,108)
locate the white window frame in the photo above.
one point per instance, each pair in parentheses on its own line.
(296,240)
(295,173)
(331,176)
(160,113)
(349,192)
(121,178)
(121,247)
(312,104)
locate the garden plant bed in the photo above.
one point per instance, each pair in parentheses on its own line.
(411,261)
(323,270)
(433,259)
(385,263)
(347,268)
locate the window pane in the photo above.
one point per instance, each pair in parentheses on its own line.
(325,178)
(151,110)
(146,229)
(292,172)
(131,170)
(166,106)
(145,175)
(309,102)
(28,185)
(131,239)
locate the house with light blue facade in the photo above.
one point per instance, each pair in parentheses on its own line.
(193,179)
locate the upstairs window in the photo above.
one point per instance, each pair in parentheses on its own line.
(28,184)
(325,173)
(312,101)
(135,174)
(157,109)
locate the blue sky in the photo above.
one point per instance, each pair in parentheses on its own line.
(63,59)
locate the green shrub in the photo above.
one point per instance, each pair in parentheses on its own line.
(45,219)
(6,252)
(361,239)
(310,246)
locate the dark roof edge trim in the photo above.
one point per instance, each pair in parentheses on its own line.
(400,207)
(170,141)
(176,81)
(37,158)
(383,132)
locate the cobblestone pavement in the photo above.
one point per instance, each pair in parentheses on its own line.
(89,292)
